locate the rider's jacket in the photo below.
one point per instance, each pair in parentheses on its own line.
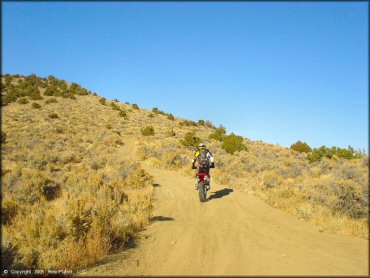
(209,155)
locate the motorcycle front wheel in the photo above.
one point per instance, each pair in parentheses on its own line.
(202,192)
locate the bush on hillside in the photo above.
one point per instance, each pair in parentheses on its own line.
(157,111)
(190,140)
(23,100)
(209,124)
(170,117)
(301,147)
(151,115)
(51,100)
(188,123)
(170,133)
(219,134)
(348,201)
(135,106)
(233,143)
(318,153)
(36,105)
(122,113)
(201,122)
(53,116)
(148,131)
(114,106)
(102,101)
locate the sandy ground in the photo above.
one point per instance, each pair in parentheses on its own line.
(233,233)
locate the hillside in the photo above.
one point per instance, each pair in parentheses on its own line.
(70,180)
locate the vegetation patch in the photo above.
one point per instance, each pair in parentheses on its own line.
(233,143)
(301,147)
(148,131)
(53,116)
(190,140)
(36,105)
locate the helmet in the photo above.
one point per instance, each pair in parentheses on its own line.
(202,146)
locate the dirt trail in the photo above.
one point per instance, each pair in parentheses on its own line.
(234,233)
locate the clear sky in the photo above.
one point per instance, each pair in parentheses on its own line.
(275,72)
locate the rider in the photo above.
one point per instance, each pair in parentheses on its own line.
(204,156)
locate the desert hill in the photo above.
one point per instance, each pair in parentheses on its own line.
(73,178)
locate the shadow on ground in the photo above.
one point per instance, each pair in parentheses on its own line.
(161,218)
(220,193)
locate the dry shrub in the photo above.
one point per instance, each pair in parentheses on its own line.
(9,209)
(220,176)
(348,201)
(113,140)
(270,179)
(36,187)
(85,224)
(138,178)
(172,159)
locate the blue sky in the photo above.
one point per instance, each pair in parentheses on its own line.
(276,72)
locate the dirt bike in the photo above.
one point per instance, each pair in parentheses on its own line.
(203,180)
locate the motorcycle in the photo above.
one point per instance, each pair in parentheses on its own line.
(203,180)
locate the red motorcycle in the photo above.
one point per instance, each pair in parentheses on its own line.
(203,180)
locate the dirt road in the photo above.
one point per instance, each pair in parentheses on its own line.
(234,233)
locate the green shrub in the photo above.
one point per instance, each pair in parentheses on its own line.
(51,100)
(151,115)
(233,143)
(155,110)
(209,124)
(301,147)
(148,131)
(102,101)
(59,130)
(201,122)
(122,113)
(8,98)
(114,106)
(188,123)
(50,91)
(170,133)
(219,134)
(135,106)
(170,117)
(190,140)
(109,127)
(53,116)
(34,94)
(318,153)
(23,100)
(36,105)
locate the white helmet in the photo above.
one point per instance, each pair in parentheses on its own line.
(202,146)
